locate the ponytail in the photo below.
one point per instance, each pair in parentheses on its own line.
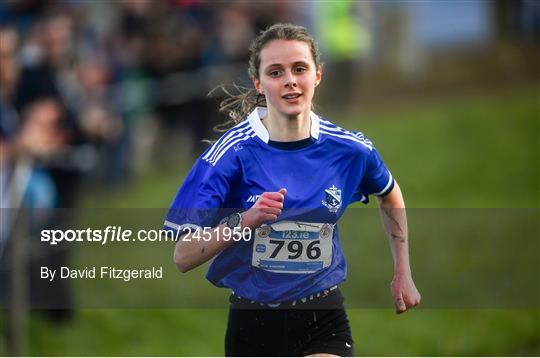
(240,102)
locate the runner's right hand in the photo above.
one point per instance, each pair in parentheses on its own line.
(267,208)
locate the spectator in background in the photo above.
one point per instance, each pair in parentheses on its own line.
(100,119)
(48,141)
(49,75)
(29,186)
(174,45)
(124,46)
(9,77)
(9,120)
(345,37)
(22,142)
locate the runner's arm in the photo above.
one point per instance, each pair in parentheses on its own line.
(394,218)
(190,251)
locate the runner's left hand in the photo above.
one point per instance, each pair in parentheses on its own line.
(405,293)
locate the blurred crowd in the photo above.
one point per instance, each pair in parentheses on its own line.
(90,89)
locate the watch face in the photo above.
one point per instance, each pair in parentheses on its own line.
(233,220)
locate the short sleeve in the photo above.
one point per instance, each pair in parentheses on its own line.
(198,200)
(377,180)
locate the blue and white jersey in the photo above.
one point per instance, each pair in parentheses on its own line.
(300,254)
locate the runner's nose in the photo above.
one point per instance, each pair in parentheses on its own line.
(290,80)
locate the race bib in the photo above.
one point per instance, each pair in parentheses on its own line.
(293,247)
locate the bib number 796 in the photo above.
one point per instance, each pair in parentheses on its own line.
(295,249)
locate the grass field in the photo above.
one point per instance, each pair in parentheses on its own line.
(468,153)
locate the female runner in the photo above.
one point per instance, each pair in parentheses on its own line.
(290,174)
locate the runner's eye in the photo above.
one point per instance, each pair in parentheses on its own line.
(300,69)
(274,73)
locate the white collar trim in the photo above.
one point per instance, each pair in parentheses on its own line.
(258,113)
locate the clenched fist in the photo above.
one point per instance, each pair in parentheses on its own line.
(267,208)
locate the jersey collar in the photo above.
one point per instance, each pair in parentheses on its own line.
(254,120)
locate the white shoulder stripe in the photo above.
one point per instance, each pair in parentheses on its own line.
(361,136)
(244,136)
(332,126)
(333,129)
(232,138)
(225,138)
(219,141)
(346,136)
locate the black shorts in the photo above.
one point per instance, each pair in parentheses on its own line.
(319,325)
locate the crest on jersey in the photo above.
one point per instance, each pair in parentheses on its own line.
(333,199)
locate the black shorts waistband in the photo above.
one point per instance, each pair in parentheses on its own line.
(330,298)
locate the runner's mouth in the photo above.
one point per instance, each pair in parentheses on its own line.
(291,96)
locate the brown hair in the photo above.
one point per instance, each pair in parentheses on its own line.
(241,101)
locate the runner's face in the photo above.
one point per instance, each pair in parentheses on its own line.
(288,76)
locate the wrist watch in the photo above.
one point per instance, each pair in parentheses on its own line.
(234,220)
